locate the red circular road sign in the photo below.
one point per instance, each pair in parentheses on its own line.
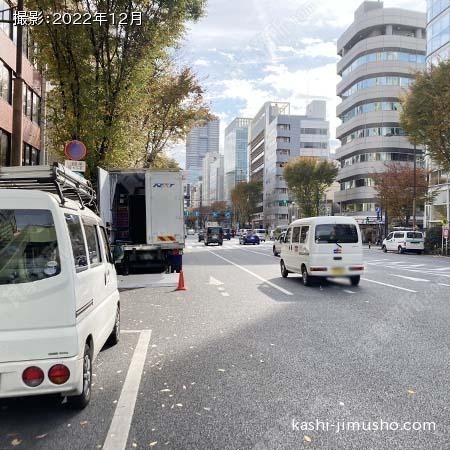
(75,150)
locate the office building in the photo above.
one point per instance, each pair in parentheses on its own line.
(202,139)
(235,154)
(212,179)
(31,119)
(276,137)
(438,49)
(380,52)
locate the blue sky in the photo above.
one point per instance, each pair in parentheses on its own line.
(250,51)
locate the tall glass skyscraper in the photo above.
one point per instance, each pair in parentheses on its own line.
(235,154)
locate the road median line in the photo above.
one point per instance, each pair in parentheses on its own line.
(388,285)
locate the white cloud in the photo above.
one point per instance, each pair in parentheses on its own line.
(202,62)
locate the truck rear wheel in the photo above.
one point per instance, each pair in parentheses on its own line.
(82,400)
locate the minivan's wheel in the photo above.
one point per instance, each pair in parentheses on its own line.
(355,280)
(419,252)
(284,272)
(400,249)
(114,337)
(384,249)
(305,277)
(82,400)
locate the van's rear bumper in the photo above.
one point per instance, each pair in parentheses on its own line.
(323,271)
(11,384)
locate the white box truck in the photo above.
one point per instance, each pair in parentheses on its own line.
(144,212)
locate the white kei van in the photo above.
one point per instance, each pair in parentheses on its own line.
(59,301)
(328,246)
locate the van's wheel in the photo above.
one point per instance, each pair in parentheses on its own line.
(114,337)
(82,400)
(284,272)
(384,249)
(354,280)
(419,252)
(399,250)
(305,277)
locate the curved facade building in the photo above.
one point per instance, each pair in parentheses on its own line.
(379,53)
(438,30)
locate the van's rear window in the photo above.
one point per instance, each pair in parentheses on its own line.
(414,235)
(341,233)
(28,246)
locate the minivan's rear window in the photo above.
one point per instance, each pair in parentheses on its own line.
(341,233)
(414,235)
(215,230)
(28,246)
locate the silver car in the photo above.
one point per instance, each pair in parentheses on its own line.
(277,244)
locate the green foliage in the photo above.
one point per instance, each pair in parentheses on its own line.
(425,112)
(101,69)
(433,239)
(245,198)
(307,179)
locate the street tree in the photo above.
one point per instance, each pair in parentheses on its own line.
(245,197)
(395,191)
(425,112)
(307,179)
(102,68)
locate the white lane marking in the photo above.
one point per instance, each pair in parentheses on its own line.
(410,278)
(258,253)
(388,285)
(120,426)
(133,331)
(225,294)
(443,268)
(443,284)
(417,265)
(214,282)
(220,288)
(284,291)
(349,292)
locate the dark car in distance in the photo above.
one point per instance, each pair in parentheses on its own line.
(214,235)
(201,235)
(226,233)
(249,238)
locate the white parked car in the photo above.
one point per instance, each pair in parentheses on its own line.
(191,232)
(59,301)
(404,241)
(328,246)
(261,233)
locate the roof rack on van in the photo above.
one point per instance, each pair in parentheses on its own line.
(55,179)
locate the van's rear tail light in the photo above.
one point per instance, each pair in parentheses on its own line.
(318,269)
(357,268)
(33,376)
(58,374)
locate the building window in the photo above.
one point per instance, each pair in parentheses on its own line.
(5,82)
(321,131)
(283,139)
(284,126)
(377,81)
(372,132)
(313,145)
(30,155)
(371,107)
(31,105)
(5,147)
(6,14)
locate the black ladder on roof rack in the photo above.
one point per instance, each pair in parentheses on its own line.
(55,179)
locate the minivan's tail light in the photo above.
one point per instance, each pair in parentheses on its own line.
(357,268)
(318,269)
(33,376)
(58,374)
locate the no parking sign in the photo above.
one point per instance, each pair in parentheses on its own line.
(75,150)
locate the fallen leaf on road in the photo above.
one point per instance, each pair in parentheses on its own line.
(184,387)
(119,371)
(16,442)
(165,390)
(192,383)
(341,403)
(179,405)
(410,391)
(41,436)
(307,438)
(83,423)
(152,444)
(207,409)
(261,360)
(134,444)
(221,370)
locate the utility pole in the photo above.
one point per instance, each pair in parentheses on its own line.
(17,125)
(414,188)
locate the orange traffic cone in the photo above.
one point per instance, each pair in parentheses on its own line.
(181,286)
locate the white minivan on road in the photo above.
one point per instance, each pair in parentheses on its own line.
(328,246)
(59,301)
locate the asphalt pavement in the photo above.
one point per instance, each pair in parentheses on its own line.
(244,359)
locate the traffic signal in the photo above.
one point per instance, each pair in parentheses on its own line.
(285,202)
(367,221)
